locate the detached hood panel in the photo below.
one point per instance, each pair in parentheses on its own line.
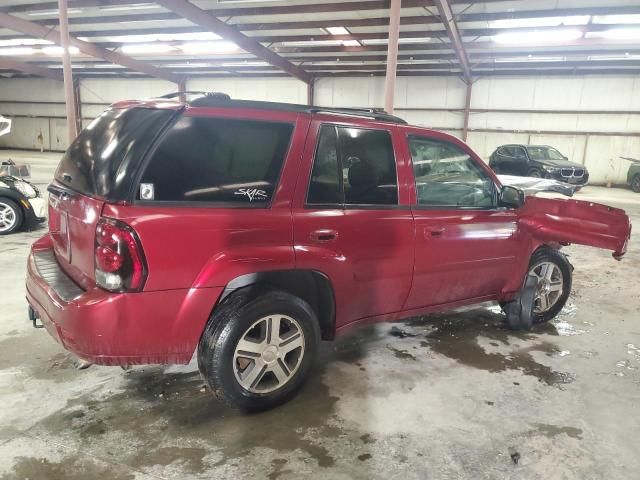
(575,221)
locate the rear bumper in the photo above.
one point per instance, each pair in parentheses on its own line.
(116,328)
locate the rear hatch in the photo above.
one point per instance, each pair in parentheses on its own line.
(100,166)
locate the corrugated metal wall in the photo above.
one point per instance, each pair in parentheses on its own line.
(535,109)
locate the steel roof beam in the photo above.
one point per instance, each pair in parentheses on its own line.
(11,64)
(38,31)
(200,17)
(455,38)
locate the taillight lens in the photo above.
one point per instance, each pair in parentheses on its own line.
(120,264)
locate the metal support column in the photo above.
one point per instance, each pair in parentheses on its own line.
(310,92)
(69,97)
(392,55)
(467,109)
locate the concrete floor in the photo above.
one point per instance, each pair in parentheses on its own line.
(447,396)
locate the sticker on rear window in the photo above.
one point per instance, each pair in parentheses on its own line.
(147,191)
(252,193)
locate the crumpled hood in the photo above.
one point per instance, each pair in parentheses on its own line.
(574,221)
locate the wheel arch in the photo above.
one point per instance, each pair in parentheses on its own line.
(312,286)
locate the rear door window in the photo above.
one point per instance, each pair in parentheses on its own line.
(222,160)
(353,166)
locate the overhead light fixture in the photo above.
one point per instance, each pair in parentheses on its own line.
(528,58)
(73,65)
(337,30)
(351,43)
(626,56)
(384,41)
(245,64)
(219,47)
(56,50)
(185,65)
(134,6)
(42,13)
(620,34)
(631,18)
(163,37)
(107,65)
(11,51)
(540,22)
(537,36)
(21,42)
(146,48)
(313,43)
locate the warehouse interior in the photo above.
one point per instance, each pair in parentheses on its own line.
(444,395)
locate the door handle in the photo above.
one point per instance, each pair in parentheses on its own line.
(323,236)
(433,231)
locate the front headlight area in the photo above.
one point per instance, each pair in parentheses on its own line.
(26,189)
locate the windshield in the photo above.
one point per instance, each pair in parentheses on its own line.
(544,153)
(101,160)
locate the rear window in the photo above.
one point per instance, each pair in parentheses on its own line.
(223,160)
(101,160)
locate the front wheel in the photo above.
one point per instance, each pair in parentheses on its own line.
(535,173)
(11,216)
(554,276)
(635,183)
(256,352)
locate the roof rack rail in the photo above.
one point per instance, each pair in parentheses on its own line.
(219,99)
(216,95)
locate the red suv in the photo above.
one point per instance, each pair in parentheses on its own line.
(250,231)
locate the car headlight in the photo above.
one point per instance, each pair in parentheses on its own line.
(550,169)
(26,189)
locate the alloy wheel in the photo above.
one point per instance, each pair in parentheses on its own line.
(549,287)
(269,354)
(8,217)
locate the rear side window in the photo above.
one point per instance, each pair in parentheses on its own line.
(101,160)
(353,166)
(204,159)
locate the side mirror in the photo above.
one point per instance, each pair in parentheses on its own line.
(511,197)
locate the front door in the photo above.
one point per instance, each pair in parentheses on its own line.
(466,245)
(348,222)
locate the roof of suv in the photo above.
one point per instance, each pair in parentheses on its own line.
(221,100)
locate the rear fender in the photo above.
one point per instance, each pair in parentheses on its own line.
(574,221)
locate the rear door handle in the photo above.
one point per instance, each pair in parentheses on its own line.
(323,236)
(433,231)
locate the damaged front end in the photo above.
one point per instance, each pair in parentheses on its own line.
(574,221)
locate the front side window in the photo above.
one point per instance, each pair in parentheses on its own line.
(446,176)
(353,166)
(206,159)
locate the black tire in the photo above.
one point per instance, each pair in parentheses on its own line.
(6,203)
(226,327)
(536,173)
(635,183)
(548,254)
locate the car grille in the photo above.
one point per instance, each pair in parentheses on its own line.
(572,172)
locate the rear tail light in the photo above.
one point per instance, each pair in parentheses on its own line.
(119,260)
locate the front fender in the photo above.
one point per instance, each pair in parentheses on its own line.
(574,221)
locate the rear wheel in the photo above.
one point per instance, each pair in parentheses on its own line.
(635,183)
(11,216)
(553,273)
(256,352)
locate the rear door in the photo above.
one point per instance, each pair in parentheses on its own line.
(98,166)
(351,217)
(465,245)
